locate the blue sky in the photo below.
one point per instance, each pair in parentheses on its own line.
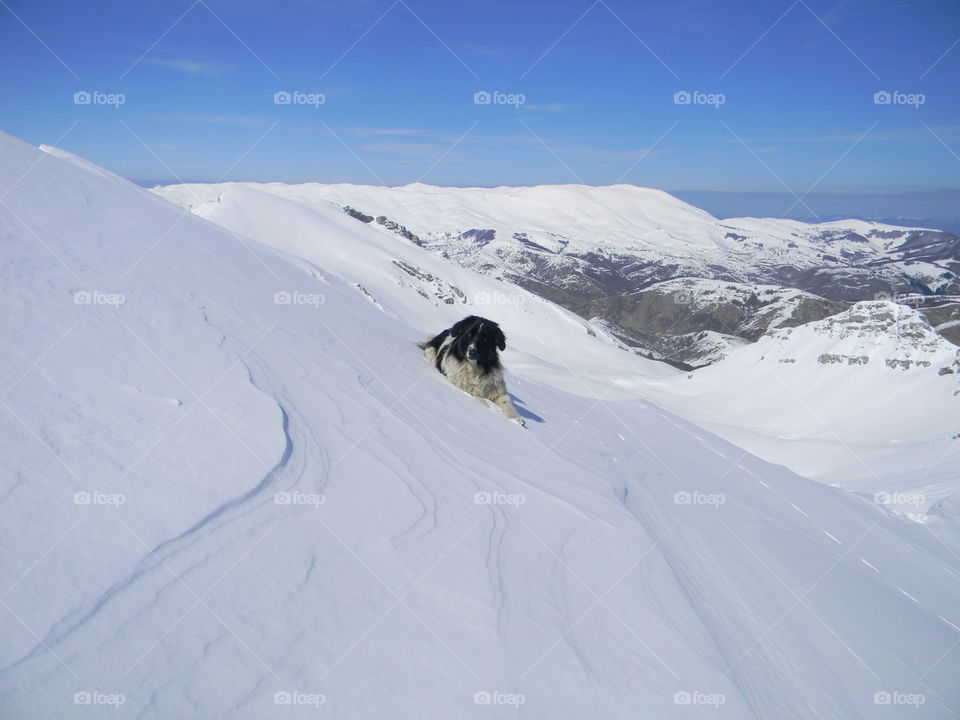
(398,80)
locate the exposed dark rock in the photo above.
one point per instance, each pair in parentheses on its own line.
(398,229)
(354,213)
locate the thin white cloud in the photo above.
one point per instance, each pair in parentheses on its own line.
(412,149)
(239,120)
(191,67)
(899,135)
(548,107)
(378,132)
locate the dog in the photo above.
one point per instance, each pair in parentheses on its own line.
(467,355)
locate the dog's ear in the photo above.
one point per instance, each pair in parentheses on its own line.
(500,338)
(462,325)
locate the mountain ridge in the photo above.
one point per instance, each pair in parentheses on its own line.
(580,246)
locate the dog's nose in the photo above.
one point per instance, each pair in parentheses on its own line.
(471,354)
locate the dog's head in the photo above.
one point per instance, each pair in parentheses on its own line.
(476,340)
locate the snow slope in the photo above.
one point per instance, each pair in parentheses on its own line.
(868,399)
(232,488)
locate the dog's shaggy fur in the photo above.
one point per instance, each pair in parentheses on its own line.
(467,355)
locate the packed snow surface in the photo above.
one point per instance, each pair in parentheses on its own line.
(232,487)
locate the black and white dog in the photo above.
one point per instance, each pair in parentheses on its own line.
(467,355)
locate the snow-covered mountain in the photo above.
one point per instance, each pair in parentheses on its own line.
(700,321)
(595,249)
(868,399)
(838,422)
(232,487)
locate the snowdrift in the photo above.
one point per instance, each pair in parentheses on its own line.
(233,488)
